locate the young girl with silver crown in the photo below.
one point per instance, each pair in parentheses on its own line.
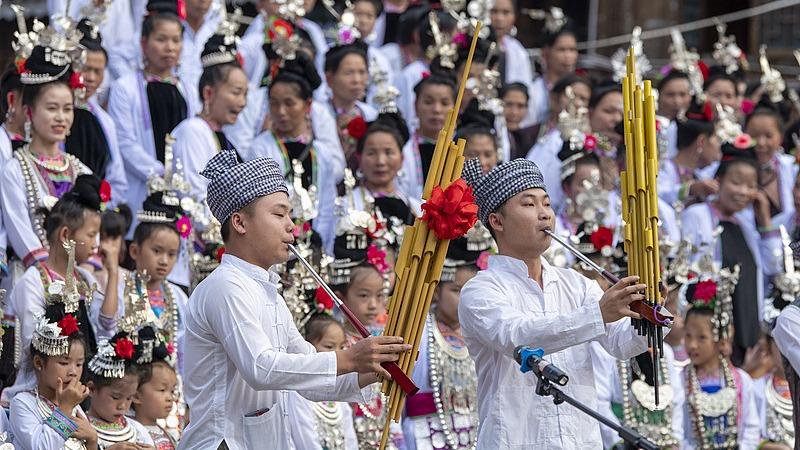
(72,227)
(444,414)
(720,405)
(49,415)
(112,384)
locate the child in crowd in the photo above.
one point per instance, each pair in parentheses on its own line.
(72,227)
(157,391)
(113,384)
(154,250)
(49,416)
(332,421)
(720,403)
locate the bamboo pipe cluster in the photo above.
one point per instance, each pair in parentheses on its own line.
(639,194)
(421,257)
(640,203)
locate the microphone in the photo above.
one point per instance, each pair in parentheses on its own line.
(531,359)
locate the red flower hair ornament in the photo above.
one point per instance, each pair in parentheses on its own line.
(324,301)
(357,127)
(105,191)
(124,349)
(68,325)
(705,291)
(602,239)
(377,259)
(451,212)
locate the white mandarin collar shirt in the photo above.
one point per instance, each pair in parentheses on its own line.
(502,308)
(243,354)
(787,334)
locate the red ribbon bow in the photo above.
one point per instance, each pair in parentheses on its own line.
(451,212)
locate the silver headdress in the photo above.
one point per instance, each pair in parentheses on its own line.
(771,79)
(726,53)
(486,87)
(573,122)
(642,63)
(684,60)
(105,362)
(346,31)
(703,271)
(285,42)
(47,336)
(786,284)
(96,11)
(385,93)
(443,46)
(173,187)
(66,291)
(291,10)
(554,18)
(24,40)
(468,15)
(137,304)
(225,39)
(727,128)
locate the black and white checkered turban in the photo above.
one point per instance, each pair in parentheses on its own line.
(235,184)
(501,183)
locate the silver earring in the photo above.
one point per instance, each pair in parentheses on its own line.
(513,31)
(10,114)
(206,108)
(27,128)
(359,174)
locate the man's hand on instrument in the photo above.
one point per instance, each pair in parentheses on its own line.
(614,302)
(366,355)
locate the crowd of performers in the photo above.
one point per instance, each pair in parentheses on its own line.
(135,144)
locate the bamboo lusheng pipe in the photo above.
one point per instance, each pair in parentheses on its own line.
(657,314)
(422,254)
(394,370)
(640,205)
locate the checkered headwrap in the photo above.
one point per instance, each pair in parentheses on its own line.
(501,183)
(235,184)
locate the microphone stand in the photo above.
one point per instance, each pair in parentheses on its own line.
(544,388)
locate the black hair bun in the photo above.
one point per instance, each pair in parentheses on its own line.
(474,117)
(39,63)
(163,6)
(154,203)
(394,120)
(86,191)
(337,53)
(147,335)
(91,39)
(301,69)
